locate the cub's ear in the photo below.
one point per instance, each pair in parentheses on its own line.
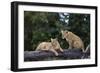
(51,39)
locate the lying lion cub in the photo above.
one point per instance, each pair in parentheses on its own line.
(50,46)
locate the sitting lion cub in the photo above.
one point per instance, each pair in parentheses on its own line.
(50,46)
(73,40)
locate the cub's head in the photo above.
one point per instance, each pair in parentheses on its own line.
(54,41)
(64,33)
(55,44)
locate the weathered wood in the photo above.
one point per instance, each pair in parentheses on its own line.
(44,55)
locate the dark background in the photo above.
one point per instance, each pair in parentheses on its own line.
(42,26)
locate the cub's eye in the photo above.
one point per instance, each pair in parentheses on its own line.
(67,32)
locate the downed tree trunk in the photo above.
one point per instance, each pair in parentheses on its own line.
(47,55)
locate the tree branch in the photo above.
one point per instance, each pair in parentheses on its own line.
(47,55)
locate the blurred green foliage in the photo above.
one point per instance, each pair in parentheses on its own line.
(41,26)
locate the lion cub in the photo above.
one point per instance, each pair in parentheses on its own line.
(73,40)
(52,46)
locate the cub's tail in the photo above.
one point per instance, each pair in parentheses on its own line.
(87,48)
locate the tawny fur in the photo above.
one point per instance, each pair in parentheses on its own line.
(73,40)
(50,46)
